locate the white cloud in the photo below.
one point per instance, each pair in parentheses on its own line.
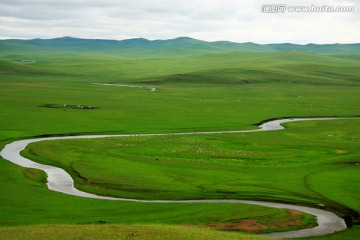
(234,20)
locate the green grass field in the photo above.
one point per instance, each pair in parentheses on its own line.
(309,163)
(119,232)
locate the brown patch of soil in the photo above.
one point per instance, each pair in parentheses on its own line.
(294,212)
(248,225)
(291,221)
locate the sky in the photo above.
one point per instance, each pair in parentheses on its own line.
(209,20)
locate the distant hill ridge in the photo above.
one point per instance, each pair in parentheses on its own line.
(177,46)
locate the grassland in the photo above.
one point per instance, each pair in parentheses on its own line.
(198,93)
(119,232)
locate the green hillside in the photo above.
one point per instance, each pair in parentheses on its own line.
(319,48)
(143,48)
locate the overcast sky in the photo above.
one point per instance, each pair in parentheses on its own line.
(210,20)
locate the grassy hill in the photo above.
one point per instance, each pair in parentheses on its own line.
(319,48)
(143,48)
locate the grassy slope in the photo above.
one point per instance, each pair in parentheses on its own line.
(227,103)
(119,232)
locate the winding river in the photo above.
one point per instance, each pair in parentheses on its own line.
(59,180)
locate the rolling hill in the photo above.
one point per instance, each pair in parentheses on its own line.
(182,46)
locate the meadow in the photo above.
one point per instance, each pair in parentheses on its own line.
(309,163)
